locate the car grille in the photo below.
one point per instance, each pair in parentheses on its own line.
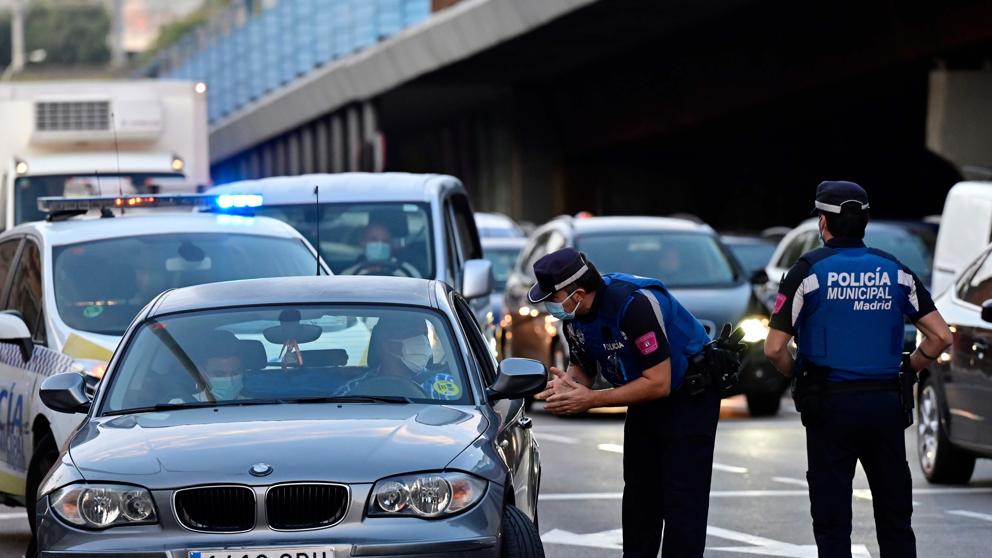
(305,506)
(216,509)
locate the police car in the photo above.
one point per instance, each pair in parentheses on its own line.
(74,283)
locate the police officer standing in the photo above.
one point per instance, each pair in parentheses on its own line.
(643,342)
(845,304)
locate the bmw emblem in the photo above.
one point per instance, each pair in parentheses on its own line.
(260,470)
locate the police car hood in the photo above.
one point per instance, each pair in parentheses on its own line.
(90,346)
(350,443)
(716,306)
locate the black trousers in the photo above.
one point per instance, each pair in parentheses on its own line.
(865,426)
(667,465)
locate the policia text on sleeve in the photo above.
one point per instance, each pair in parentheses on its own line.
(845,304)
(663,366)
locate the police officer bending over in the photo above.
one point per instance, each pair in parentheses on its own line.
(845,305)
(662,365)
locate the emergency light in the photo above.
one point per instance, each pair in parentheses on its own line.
(53,205)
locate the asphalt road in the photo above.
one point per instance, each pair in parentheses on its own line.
(759,505)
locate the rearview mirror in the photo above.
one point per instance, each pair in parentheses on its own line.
(987,310)
(518,378)
(14,331)
(65,393)
(759,277)
(477,279)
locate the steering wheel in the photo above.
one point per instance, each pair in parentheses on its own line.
(392,385)
(389,267)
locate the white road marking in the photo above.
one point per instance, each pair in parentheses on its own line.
(971,514)
(546,437)
(612,448)
(790,480)
(729,468)
(6,516)
(750,494)
(613,540)
(862,494)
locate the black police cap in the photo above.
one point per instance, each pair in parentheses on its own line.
(831,195)
(555,271)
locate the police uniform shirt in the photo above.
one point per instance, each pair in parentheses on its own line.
(845,304)
(640,324)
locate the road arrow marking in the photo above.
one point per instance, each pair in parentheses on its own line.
(545,437)
(612,448)
(612,539)
(971,514)
(790,480)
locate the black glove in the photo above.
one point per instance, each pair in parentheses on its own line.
(731,340)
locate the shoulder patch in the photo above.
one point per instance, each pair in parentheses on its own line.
(647,343)
(780,300)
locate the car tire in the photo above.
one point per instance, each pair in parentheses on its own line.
(941,461)
(763,404)
(45,455)
(520,537)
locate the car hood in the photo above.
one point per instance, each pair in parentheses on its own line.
(720,306)
(349,443)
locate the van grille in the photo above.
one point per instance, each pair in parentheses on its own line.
(71,116)
(216,509)
(305,506)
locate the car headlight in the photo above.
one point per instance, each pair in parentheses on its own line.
(428,495)
(755,329)
(98,506)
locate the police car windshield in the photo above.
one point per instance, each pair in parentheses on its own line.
(284,354)
(27,189)
(679,259)
(365,238)
(101,285)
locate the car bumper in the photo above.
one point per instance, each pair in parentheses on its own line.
(473,534)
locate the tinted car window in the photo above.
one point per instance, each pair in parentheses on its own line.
(28,189)
(8,249)
(913,247)
(124,274)
(752,255)
(283,353)
(679,259)
(503,260)
(799,246)
(976,287)
(25,292)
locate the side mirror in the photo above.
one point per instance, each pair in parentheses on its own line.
(987,310)
(14,331)
(477,279)
(759,277)
(518,378)
(65,393)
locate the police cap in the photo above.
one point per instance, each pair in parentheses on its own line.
(831,195)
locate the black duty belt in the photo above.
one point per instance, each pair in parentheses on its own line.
(860,386)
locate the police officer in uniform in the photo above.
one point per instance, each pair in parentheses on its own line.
(634,333)
(845,304)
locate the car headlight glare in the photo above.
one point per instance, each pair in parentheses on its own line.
(427,495)
(755,329)
(102,506)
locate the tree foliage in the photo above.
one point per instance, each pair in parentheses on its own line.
(70,34)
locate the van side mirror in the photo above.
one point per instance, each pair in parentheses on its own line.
(65,393)
(987,310)
(518,378)
(477,279)
(14,331)
(759,277)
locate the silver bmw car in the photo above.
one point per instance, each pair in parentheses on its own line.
(306,417)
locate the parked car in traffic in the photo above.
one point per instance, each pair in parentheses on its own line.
(966,228)
(955,393)
(497,225)
(74,283)
(687,256)
(503,253)
(230,418)
(753,252)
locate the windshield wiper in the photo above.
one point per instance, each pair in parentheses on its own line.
(193,405)
(351,399)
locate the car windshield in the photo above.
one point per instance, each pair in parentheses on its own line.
(679,259)
(752,255)
(289,354)
(101,285)
(911,246)
(366,238)
(27,189)
(503,260)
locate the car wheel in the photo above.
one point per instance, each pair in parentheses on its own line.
(763,404)
(46,453)
(520,536)
(941,461)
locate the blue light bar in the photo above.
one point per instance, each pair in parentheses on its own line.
(59,204)
(238,201)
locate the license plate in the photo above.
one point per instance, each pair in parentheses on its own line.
(323,552)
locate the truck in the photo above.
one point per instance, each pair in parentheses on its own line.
(86,138)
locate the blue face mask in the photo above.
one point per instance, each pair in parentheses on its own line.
(557,309)
(377,251)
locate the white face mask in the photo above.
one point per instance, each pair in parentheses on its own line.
(415,353)
(226,388)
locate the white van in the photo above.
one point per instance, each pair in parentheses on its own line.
(965,230)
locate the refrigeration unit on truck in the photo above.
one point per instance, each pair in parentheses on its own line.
(86,138)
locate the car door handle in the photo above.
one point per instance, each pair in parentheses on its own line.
(526,422)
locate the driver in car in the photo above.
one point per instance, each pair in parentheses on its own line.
(378,256)
(222,366)
(400,364)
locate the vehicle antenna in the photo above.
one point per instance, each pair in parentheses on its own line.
(104,211)
(316,223)
(117,152)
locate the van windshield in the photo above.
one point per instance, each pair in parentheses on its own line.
(27,189)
